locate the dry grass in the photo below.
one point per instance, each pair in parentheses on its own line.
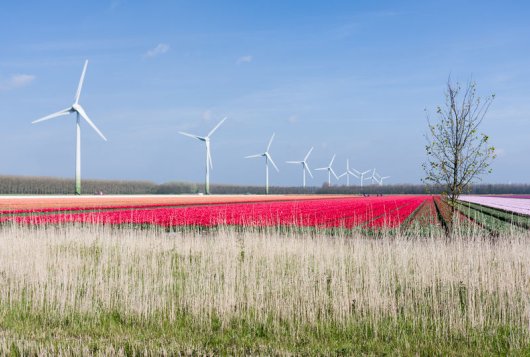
(287,288)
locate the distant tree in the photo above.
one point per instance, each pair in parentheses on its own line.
(457,152)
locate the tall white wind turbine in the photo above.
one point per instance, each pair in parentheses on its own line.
(80,113)
(329,169)
(349,172)
(268,158)
(305,167)
(209,164)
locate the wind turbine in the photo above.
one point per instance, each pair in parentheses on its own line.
(80,112)
(268,158)
(206,140)
(305,167)
(374,177)
(349,172)
(383,178)
(379,179)
(330,170)
(362,176)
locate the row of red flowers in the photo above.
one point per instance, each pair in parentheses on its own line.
(388,211)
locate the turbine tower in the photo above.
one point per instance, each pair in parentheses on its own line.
(349,172)
(206,140)
(80,113)
(268,158)
(305,167)
(330,170)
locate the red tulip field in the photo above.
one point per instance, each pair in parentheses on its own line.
(205,211)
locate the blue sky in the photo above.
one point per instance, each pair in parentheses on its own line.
(347,77)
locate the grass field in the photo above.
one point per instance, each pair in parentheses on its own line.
(97,290)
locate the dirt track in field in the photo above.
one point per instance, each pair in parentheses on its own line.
(13,203)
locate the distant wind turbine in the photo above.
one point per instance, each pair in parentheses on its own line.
(305,167)
(362,176)
(268,158)
(379,179)
(349,172)
(209,164)
(373,178)
(80,112)
(383,178)
(329,169)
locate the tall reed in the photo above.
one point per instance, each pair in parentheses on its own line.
(282,282)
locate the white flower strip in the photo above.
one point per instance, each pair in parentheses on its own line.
(516,205)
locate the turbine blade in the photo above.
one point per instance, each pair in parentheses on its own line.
(294,162)
(309,153)
(191,135)
(321,169)
(54,115)
(252,156)
(80,86)
(272,162)
(270,141)
(332,159)
(342,175)
(333,172)
(353,174)
(216,127)
(81,112)
(306,167)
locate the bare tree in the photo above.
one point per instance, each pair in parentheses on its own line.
(457,153)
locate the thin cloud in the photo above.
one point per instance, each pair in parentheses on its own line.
(244,59)
(114,4)
(16,81)
(207,115)
(160,49)
(293,119)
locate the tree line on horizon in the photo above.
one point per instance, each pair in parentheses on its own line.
(24,185)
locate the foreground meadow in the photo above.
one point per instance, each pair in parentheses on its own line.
(98,290)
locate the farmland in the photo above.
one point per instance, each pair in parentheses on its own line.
(242,211)
(260,275)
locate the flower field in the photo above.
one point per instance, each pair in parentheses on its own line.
(510,204)
(300,211)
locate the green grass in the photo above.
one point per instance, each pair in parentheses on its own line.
(26,332)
